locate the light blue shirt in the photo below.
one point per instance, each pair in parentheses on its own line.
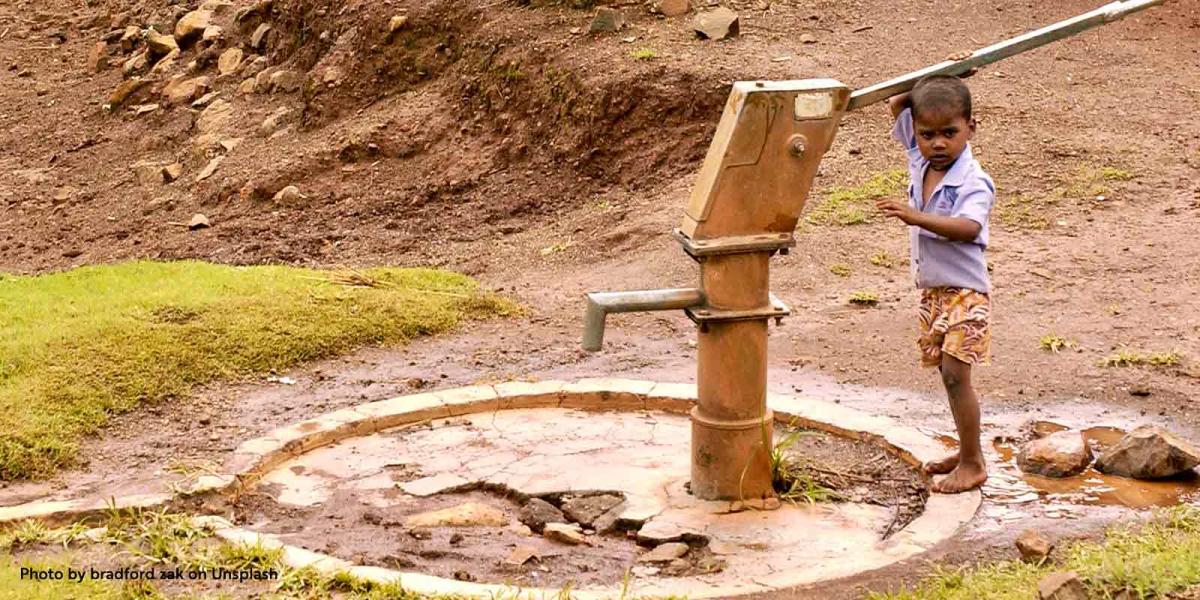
(966,192)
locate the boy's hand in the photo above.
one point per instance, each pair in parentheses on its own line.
(899,210)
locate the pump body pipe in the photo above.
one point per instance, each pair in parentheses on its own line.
(599,304)
(1040,37)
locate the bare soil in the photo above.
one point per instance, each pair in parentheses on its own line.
(488,138)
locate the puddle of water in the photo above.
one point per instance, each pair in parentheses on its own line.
(1093,487)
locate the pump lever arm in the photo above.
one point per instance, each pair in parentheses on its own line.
(1063,29)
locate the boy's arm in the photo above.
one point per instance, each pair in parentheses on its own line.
(899,102)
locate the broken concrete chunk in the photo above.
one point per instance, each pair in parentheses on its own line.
(470,514)
(606,20)
(664,553)
(565,533)
(1149,452)
(716,24)
(537,513)
(586,509)
(1033,547)
(1060,454)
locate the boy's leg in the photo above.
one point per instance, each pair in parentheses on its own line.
(970,471)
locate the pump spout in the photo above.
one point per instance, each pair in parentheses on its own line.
(599,304)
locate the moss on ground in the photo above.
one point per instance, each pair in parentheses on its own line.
(856,205)
(82,345)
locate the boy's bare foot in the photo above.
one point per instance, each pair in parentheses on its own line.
(964,477)
(942,465)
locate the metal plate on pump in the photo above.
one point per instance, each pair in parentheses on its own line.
(813,106)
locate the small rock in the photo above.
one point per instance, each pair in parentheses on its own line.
(1061,586)
(673,8)
(204,100)
(125,90)
(607,19)
(255,65)
(372,518)
(664,553)
(716,24)
(259,38)
(136,65)
(397,23)
(229,61)
(521,555)
(470,514)
(172,172)
(537,513)
(262,82)
(216,116)
(461,575)
(585,510)
(608,521)
(1033,547)
(1139,389)
(332,76)
(130,38)
(456,539)
(1061,454)
(272,123)
(98,57)
(677,568)
(210,168)
(565,533)
(1149,452)
(520,529)
(198,221)
(808,38)
(183,91)
(230,144)
(246,87)
(212,34)
(166,63)
(160,44)
(420,533)
(147,172)
(191,27)
(216,7)
(286,81)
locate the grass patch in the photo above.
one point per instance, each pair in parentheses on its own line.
(790,478)
(883,259)
(1159,558)
(644,54)
(840,269)
(855,205)
(1055,343)
(88,343)
(1023,212)
(864,298)
(1091,181)
(1126,357)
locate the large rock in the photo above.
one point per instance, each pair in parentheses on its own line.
(192,26)
(215,117)
(585,510)
(1061,454)
(716,24)
(182,91)
(160,44)
(470,514)
(607,19)
(1149,452)
(1033,547)
(229,61)
(1062,586)
(537,513)
(673,8)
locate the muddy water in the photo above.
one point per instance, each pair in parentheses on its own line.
(1093,487)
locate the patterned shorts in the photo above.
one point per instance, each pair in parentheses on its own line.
(955,321)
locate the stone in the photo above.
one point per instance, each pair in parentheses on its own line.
(664,553)
(130,38)
(172,172)
(246,87)
(166,63)
(136,65)
(216,116)
(210,168)
(212,34)
(673,8)
(608,521)
(1149,452)
(198,221)
(286,81)
(160,44)
(456,539)
(229,61)
(1061,586)
(183,91)
(1033,547)
(607,19)
(272,123)
(1060,454)
(420,533)
(586,509)
(521,555)
(148,172)
(808,38)
(537,513)
(229,144)
(332,76)
(192,26)
(397,23)
(565,533)
(255,65)
(205,100)
(520,529)
(144,109)
(716,24)
(262,82)
(259,38)
(98,57)
(125,90)
(470,514)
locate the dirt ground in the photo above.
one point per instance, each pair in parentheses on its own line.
(488,138)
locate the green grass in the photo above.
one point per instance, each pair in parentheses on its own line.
(13,587)
(1159,558)
(82,345)
(1054,343)
(855,205)
(1126,357)
(864,298)
(1023,211)
(789,478)
(883,259)
(644,54)
(841,270)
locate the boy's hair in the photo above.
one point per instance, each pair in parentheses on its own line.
(941,93)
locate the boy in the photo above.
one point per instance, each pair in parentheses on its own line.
(949,199)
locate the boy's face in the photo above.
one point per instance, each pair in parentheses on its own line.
(942,135)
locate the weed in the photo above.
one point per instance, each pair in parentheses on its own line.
(883,259)
(1023,212)
(644,54)
(29,531)
(1126,357)
(852,206)
(85,344)
(840,269)
(556,248)
(1054,343)
(791,480)
(1115,174)
(864,298)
